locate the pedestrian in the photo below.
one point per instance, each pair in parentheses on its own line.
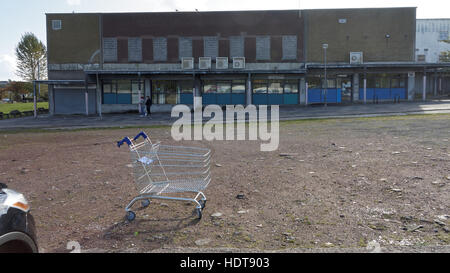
(148,104)
(142,107)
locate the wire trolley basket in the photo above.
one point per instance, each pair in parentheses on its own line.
(161,172)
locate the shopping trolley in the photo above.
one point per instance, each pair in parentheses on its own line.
(166,172)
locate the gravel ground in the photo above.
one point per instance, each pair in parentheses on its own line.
(340,185)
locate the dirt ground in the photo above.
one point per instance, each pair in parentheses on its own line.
(343,184)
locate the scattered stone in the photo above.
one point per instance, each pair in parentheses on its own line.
(288,154)
(216,215)
(24,171)
(328,244)
(242,212)
(438,182)
(259,226)
(383,179)
(218,165)
(447,177)
(395,153)
(353,166)
(443,217)
(413,229)
(240,196)
(446,229)
(439,222)
(377,226)
(312,172)
(396,190)
(202,242)
(164,205)
(129,166)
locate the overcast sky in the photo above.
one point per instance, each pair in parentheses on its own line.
(20,16)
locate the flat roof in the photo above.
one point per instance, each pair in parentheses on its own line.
(225,11)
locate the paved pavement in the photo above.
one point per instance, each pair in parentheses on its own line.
(286,113)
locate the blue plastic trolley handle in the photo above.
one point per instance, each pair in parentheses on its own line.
(141,134)
(125,140)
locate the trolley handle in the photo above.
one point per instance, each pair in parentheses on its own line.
(125,140)
(141,134)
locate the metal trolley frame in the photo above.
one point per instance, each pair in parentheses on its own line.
(161,171)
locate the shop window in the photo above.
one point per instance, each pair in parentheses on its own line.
(121,91)
(314,82)
(186,87)
(259,87)
(291,86)
(137,91)
(395,83)
(238,86)
(224,87)
(275,87)
(331,83)
(209,87)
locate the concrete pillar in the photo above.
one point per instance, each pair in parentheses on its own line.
(424,91)
(302,91)
(306,93)
(198,104)
(411,85)
(435,78)
(51,100)
(148,87)
(99,97)
(248,90)
(355,87)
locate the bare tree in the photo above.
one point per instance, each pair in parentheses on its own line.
(31,57)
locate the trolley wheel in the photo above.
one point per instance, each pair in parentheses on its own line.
(131,216)
(202,203)
(199,213)
(145,203)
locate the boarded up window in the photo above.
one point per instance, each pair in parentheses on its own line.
(236,46)
(110,49)
(185,47)
(289,47)
(160,49)
(263,48)
(134,49)
(211,46)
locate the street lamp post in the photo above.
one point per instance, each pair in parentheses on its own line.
(325,46)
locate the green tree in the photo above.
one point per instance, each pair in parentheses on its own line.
(17,89)
(445,55)
(31,53)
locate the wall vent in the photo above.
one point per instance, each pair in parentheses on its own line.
(222,63)
(356,57)
(204,63)
(187,63)
(238,63)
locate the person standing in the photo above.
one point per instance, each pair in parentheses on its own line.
(148,104)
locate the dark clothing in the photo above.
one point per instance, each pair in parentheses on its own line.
(148,103)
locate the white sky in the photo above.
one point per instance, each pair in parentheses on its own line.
(29,15)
